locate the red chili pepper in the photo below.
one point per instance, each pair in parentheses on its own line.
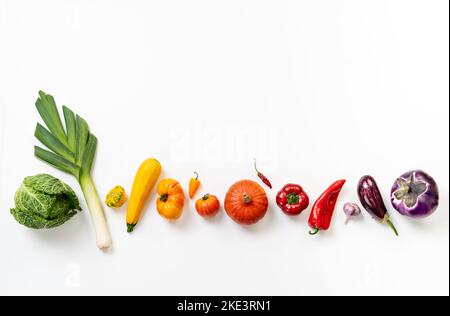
(323,209)
(263,177)
(292,199)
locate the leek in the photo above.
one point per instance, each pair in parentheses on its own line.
(71,150)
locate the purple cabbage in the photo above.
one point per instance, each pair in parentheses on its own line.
(415,194)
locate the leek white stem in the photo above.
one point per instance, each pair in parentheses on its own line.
(95,208)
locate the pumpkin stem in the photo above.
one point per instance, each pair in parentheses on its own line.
(205,197)
(247,199)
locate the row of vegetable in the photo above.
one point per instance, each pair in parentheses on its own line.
(44,202)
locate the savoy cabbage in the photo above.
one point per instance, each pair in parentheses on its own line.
(44,202)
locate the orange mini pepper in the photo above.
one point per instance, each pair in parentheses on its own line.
(194,184)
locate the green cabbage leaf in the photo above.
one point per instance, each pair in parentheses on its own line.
(44,202)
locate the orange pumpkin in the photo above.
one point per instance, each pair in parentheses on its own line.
(246,202)
(171,199)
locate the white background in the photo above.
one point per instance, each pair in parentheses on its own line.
(317,90)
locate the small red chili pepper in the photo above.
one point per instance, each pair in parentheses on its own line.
(323,209)
(292,199)
(263,177)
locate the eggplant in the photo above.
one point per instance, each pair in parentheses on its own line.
(415,194)
(372,201)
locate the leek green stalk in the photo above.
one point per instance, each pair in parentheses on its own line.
(71,150)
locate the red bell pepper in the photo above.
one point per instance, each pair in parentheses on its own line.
(323,209)
(292,199)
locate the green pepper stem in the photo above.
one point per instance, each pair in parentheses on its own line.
(314,232)
(293,198)
(254,164)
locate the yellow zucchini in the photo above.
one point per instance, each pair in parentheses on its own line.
(145,180)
